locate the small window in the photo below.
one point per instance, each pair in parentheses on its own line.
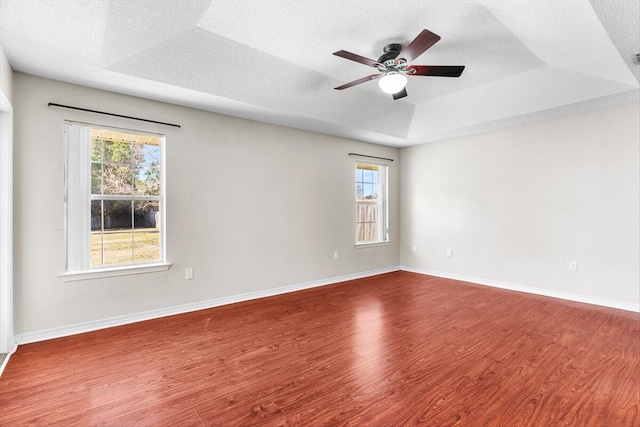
(371,203)
(114,197)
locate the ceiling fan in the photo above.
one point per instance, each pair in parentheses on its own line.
(393,65)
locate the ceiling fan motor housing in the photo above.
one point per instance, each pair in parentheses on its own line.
(387,61)
(391,51)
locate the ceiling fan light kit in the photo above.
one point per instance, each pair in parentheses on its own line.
(393,65)
(392,83)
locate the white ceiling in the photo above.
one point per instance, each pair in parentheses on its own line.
(272,61)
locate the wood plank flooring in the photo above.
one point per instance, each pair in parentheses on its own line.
(391,350)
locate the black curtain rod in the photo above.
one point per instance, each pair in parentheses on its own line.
(371,157)
(52,104)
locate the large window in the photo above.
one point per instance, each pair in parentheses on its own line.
(114,200)
(371,203)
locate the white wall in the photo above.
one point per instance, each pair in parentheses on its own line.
(516,205)
(251,207)
(6,76)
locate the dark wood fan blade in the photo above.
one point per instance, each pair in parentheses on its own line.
(435,70)
(357,82)
(424,41)
(357,58)
(400,94)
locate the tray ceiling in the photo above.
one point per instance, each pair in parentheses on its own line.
(272,61)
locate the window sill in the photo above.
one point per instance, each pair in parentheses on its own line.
(370,245)
(74,276)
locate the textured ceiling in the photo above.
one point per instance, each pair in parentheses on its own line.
(272,61)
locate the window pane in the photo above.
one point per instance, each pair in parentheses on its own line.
(96,145)
(147,179)
(146,149)
(118,232)
(365,212)
(367,176)
(96,215)
(96,248)
(146,160)
(375,176)
(127,238)
(118,247)
(359,232)
(367,231)
(117,215)
(117,147)
(96,178)
(146,214)
(96,233)
(368,191)
(115,245)
(146,245)
(146,231)
(373,230)
(117,179)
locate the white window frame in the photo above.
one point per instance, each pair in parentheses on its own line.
(382,202)
(78,201)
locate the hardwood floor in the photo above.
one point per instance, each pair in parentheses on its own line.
(394,349)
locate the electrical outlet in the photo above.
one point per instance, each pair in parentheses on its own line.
(336,255)
(188,273)
(414,248)
(573,265)
(449,252)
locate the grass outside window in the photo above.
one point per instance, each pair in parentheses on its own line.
(125,247)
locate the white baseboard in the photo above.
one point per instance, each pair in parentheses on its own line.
(6,359)
(47,334)
(622,305)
